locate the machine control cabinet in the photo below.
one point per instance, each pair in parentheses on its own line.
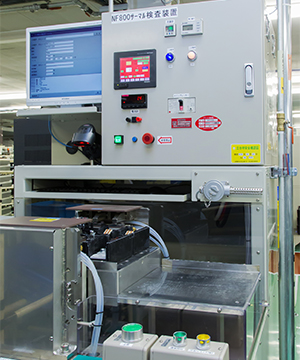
(186,85)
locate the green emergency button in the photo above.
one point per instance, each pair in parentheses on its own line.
(118,139)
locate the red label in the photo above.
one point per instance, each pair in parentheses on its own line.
(181,123)
(208,123)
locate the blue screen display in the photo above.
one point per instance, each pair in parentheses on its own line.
(66,62)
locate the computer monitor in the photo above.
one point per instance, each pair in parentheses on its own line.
(63,64)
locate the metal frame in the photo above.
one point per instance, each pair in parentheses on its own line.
(262,225)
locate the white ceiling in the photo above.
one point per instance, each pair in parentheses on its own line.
(12,43)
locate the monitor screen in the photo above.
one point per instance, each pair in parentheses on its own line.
(135,69)
(63,64)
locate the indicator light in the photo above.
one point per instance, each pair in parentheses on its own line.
(179,338)
(134,139)
(170,28)
(118,139)
(203,342)
(170,57)
(192,55)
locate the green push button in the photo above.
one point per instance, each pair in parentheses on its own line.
(132,327)
(118,139)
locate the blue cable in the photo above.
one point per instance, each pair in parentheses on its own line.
(51,133)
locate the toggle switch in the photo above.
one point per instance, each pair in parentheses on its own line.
(180,105)
(148,138)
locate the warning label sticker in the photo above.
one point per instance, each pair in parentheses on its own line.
(208,123)
(165,140)
(245,153)
(181,123)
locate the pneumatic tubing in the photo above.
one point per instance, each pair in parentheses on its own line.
(99,302)
(154,236)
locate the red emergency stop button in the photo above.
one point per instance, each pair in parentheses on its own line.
(148,138)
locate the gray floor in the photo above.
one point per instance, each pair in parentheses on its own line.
(274,328)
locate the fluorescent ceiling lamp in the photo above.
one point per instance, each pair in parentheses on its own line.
(17,96)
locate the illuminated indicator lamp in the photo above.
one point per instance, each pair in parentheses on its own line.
(134,139)
(170,57)
(179,338)
(118,139)
(192,56)
(148,139)
(203,342)
(170,28)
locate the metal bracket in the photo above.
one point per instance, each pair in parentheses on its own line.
(275,172)
(294,171)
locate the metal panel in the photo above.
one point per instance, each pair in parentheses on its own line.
(38,265)
(215,80)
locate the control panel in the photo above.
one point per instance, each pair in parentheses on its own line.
(128,344)
(168,348)
(187,85)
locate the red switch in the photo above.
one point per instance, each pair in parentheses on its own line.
(148,138)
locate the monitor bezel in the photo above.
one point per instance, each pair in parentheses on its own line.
(66,100)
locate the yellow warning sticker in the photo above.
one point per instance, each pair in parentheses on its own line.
(245,153)
(45,219)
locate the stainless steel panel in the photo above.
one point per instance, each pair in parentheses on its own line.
(116,278)
(38,264)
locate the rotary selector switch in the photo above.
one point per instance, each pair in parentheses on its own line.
(179,338)
(132,332)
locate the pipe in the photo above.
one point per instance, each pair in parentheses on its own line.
(111,6)
(56,6)
(154,235)
(286,243)
(100,302)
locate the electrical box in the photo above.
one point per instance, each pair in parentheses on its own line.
(188,85)
(116,348)
(40,287)
(164,349)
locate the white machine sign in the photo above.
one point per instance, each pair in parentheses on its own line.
(140,15)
